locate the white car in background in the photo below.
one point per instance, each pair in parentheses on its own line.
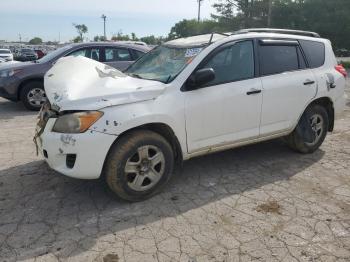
(6,54)
(185,98)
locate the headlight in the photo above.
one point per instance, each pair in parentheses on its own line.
(10,72)
(76,122)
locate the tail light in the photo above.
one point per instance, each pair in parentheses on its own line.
(341,70)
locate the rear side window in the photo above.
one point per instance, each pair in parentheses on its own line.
(276,59)
(117,54)
(314,52)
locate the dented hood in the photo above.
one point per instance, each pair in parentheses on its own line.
(79,83)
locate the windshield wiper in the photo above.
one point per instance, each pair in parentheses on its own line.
(135,75)
(168,79)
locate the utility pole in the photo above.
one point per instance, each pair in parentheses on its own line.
(20,38)
(104,26)
(269,14)
(199,9)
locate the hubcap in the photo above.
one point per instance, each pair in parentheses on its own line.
(36,97)
(316,122)
(145,168)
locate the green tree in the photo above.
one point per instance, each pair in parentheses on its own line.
(150,40)
(100,38)
(81,29)
(120,37)
(134,37)
(153,40)
(192,27)
(330,19)
(77,39)
(36,41)
(243,13)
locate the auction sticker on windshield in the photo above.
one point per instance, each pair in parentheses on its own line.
(191,52)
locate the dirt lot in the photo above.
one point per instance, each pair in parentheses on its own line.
(257,203)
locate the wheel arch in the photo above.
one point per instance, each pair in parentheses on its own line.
(162,129)
(327,103)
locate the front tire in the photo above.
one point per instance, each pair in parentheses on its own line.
(139,165)
(33,95)
(316,117)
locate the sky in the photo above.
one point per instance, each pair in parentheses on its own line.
(52,20)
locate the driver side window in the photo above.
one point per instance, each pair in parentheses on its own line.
(232,63)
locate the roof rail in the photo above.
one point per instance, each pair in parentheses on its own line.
(278,31)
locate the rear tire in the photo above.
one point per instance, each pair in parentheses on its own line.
(317,117)
(33,95)
(139,165)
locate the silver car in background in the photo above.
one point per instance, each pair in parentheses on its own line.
(6,54)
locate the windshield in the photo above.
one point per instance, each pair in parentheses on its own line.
(5,51)
(163,63)
(54,54)
(27,51)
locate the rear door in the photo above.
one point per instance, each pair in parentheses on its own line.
(288,85)
(117,57)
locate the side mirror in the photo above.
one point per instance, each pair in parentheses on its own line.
(199,78)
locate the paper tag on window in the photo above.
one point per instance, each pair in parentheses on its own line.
(191,52)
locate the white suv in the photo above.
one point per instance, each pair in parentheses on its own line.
(185,98)
(6,54)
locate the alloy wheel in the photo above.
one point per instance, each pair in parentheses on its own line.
(145,168)
(36,97)
(316,122)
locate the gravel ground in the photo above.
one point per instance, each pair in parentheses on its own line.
(257,203)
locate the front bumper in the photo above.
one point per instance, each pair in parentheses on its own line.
(9,88)
(90,150)
(7,58)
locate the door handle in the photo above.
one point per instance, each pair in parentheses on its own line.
(309,82)
(253,91)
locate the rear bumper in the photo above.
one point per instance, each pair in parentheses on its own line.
(26,58)
(88,149)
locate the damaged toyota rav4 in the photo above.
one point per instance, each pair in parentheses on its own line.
(185,98)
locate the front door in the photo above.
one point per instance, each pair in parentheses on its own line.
(227,109)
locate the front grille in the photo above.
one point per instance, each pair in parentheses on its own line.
(70,160)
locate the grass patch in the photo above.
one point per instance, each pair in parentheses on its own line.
(346,64)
